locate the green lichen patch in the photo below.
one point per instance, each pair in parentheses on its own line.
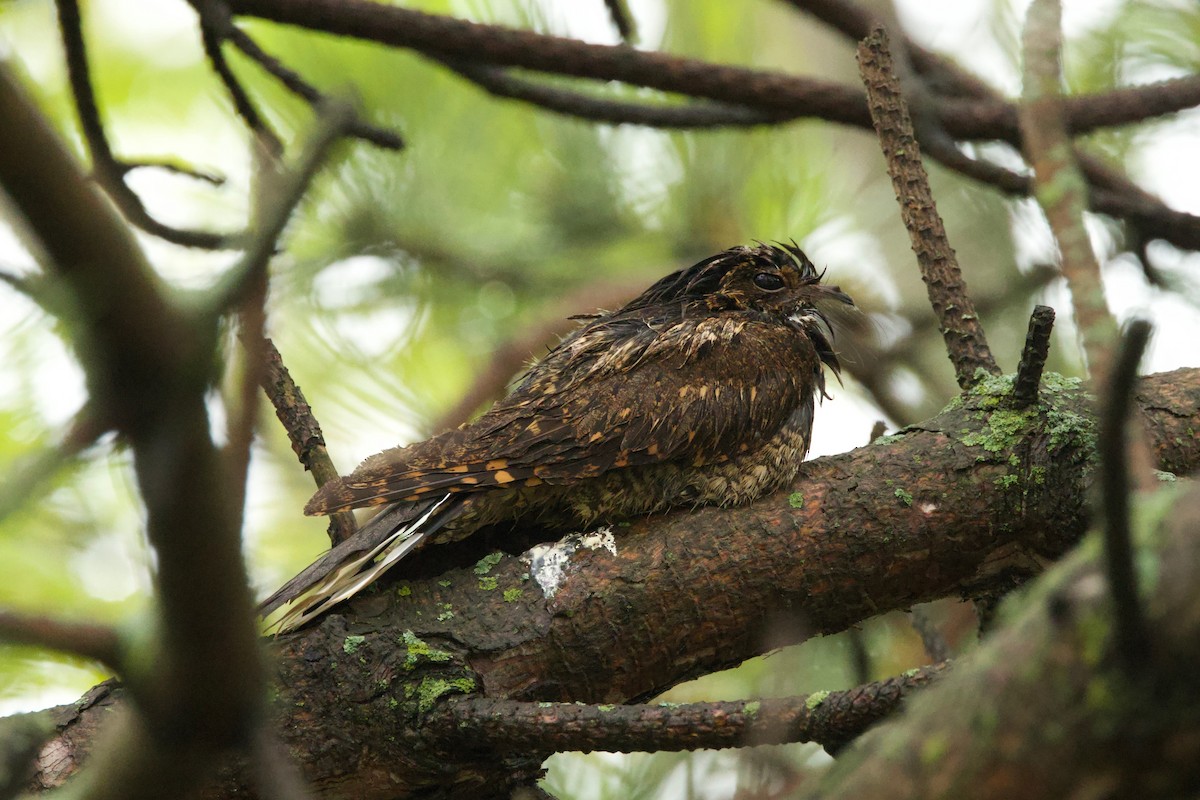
(1002,430)
(1165,477)
(904,496)
(891,438)
(430,690)
(404,590)
(488,582)
(752,708)
(992,390)
(796,500)
(420,652)
(485,564)
(513,595)
(815,699)
(1007,481)
(352,643)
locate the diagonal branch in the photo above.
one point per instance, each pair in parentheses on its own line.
(108,170)
(1060,188)
(957,319)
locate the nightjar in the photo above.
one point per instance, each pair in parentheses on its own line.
(699,391)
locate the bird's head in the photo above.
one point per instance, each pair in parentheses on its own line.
(774,280)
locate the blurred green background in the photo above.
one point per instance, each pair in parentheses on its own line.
(403,273)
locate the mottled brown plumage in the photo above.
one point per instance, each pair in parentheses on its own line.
(700,391)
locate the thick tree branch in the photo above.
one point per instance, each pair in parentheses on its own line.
(953,506)
(1045,710)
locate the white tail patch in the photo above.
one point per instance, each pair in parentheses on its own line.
(351,577)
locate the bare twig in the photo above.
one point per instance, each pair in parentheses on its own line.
(1059,186)
(860,657)
(98,642)
(280,195)
(1131,632)
(214,22)
(293,82)
(176,167)
(108,170)
(500,83)
(246,284)
(514,726)
(1033,357)
(618,12)
(304,432)
(957,319)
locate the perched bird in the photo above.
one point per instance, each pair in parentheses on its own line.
(699,391)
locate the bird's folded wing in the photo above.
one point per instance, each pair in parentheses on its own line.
(695,407)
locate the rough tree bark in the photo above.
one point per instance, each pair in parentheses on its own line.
(951,507)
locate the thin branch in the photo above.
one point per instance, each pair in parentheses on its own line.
(860,657)
(277,200)
(304,432)
(832,718)
(214,22)
(1113,194)
(1033,357)
(297,85)
(978,113)
(965,340)
(98,642)
(175,167)
(245,285)
(1059,186)
(500,83)
(447,37)
(1132,635)
(618,12)
(108,170)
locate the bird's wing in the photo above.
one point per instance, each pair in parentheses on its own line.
(697,394)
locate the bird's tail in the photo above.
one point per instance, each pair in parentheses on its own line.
(357,562)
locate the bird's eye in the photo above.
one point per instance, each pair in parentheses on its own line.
(769,281)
